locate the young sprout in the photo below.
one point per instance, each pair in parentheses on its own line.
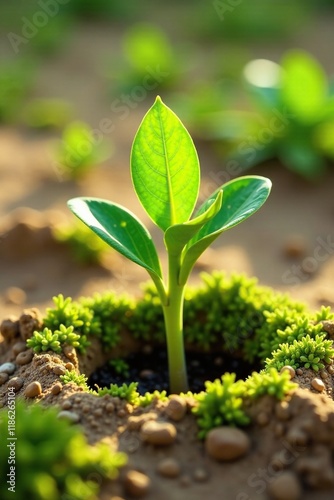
(166,175)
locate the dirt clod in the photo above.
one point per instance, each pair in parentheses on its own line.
(227,444)
(9,328)
(33,389)
(158,433)
(19,347)
(25,357)
(285,486)
(136,483)
(59,370)
(3,378)
(29,321)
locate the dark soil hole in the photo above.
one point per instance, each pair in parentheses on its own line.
(150,369)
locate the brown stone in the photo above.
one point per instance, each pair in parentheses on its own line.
(136,483)
(9,328)
(227,443)
(16,383)
(158,433)
(318,384)
(285,486)
(176,407)
(33,389)
(29,321)
(56,388)
(169,467)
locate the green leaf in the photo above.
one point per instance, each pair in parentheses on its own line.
(164,167)
(304,86)
(176,237)
(120,229)
(242,197)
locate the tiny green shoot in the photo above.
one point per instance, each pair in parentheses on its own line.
(166,176)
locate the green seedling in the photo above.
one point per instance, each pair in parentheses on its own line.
(166,176)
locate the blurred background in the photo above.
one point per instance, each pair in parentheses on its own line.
(252,82)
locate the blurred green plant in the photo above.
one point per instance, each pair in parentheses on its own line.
(86,247)
(290,117)
(149,61)
(52,459)
(46,113)
(15,82)
(78,151)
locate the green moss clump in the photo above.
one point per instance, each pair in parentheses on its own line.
(223,401)
(80,380)
(70,313)
(111,313)
(129,393)
(52,458)
(221,404)
(47,340)
(306,352)
(269,382)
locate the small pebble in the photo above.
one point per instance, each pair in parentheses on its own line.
(66,405)
(285,486)
(56,388)
(227,443)
(25,357)
(7,368)
(33,389)
(169,467)
(3,378)
(158,433)
(200,475)
(17,383)
(19,347)
(69,415)
(59,370)
(289,369)
(324,374)
(146,374)
(318,384)
(136,483)
(110,408)
(299,371)
(176,407)
(15,295)
(69,367)
(330,369)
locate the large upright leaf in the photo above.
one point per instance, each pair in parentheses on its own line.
(165,167)
(121,229)
(242,197)
(176,237)
(304,86)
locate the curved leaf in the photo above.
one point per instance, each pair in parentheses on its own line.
(165,167)
(176,237)
(242,197)
(120,229)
